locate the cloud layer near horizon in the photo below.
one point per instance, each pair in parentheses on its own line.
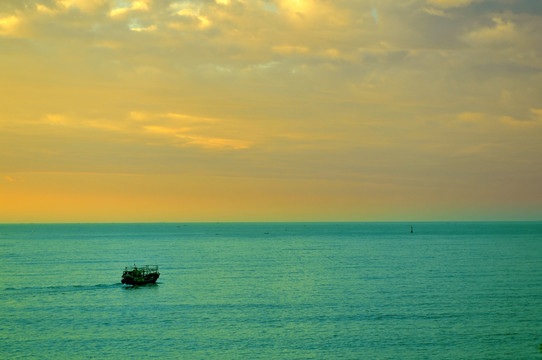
(310,109)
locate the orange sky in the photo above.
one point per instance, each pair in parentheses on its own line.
(270,110)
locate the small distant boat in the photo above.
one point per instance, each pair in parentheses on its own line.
(141,275)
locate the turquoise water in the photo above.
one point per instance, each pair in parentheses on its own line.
(273,291)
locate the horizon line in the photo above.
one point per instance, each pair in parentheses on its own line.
(270,222)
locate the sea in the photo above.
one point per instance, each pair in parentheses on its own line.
(447,290)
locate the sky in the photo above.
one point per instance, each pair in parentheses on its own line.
(270,110)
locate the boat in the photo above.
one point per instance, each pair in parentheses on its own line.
(140,275)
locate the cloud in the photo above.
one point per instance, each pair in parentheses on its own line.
(138,116)
(189,14)
(45,10)
(290,49)
(435,12)
(214,143)
(511,121)
(503,31)
(56,119)
(534,120)
(298,7)
(189,118)
(108,44)
(62,120)
(9,25)
(181,137)
(184,130)
(472,117)
(86,6)
(166,129)
(449,3)
(122,8)
(537,115)
(139,28)
(13,178)
(162,130)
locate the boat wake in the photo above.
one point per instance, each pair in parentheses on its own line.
(144,286)
(63,288)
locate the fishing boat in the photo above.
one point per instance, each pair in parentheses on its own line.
(140,275)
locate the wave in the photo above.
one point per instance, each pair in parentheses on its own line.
(64,288)
(71,288)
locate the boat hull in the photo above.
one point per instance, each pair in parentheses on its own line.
(140,275)
(148,279)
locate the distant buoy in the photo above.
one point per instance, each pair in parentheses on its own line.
(411,229)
